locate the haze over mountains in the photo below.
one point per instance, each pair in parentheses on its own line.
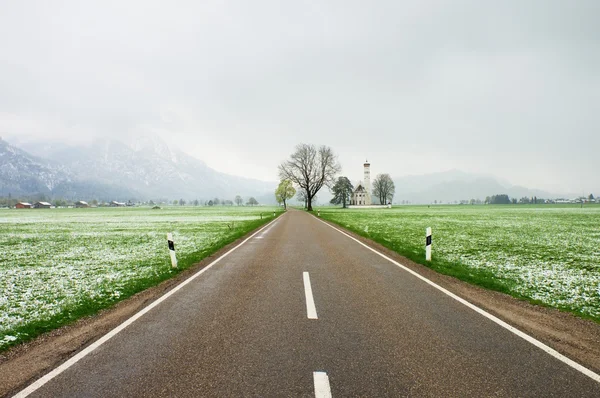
(456,185)
(147,168)
(113,170)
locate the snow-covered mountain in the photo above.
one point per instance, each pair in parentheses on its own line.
(146,168)
(22,173)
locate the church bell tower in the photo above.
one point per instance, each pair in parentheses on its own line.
(367,179)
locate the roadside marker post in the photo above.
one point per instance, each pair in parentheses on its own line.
(273,214)
(428,244)
(172,250)
(318,213)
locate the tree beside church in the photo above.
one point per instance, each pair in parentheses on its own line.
(342,191)
(383,188)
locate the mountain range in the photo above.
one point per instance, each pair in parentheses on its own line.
(112,170)
(147,168)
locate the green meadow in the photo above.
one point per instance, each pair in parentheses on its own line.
(57,265)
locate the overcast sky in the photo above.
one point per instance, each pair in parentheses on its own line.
(509,88)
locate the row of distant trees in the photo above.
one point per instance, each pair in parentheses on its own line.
(239,201)
(504,199)
(9,201)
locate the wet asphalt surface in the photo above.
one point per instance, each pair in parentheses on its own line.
(241,329)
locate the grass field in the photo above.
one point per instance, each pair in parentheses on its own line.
(547,254)
(57,265)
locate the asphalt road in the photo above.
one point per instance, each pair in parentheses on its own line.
(243,328)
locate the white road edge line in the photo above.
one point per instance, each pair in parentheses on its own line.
(322,388)
(486,314)
(266,231)
(262,235)
(311,310)
(72,361)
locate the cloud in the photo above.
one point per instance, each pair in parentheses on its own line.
(508,88)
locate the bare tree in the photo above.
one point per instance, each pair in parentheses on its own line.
(383,188)
(310,169)
(301,197)
(239,200)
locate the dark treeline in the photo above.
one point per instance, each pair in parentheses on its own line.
(503,199)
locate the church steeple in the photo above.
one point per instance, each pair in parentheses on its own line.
(367,180)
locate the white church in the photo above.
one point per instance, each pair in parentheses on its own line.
(362,193)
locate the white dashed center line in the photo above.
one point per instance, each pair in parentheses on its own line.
(311,310)
(322,389)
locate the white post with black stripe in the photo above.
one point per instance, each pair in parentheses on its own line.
(172,250)
(428,244)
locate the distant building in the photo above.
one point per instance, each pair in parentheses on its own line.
(114,203)
(359,196)
(81,203)
(23,205)
(362,194)
(42,205)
